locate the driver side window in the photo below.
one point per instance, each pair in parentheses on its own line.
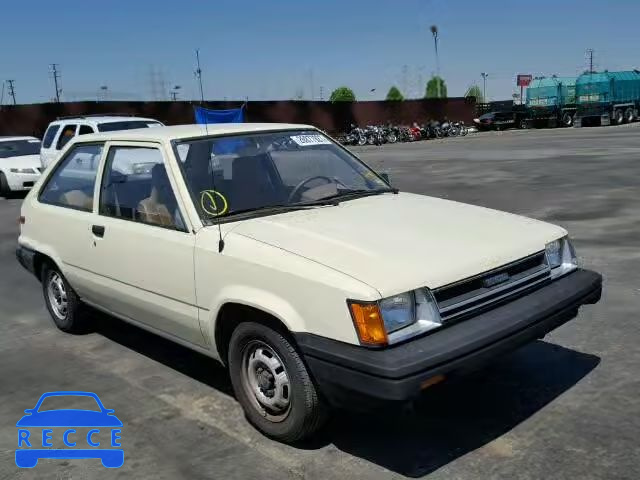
(136,187)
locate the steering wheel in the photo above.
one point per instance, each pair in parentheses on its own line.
(297,188)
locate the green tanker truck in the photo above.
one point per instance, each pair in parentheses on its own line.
(551,101)
(607,97)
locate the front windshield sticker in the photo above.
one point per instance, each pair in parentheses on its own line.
(309,140)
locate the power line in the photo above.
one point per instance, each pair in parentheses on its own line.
(12,90)
(56,76)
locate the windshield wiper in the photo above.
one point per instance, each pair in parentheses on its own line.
(358,193)
(279,208)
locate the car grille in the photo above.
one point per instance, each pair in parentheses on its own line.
(461,299)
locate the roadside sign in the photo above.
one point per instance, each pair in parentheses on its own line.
(524,80)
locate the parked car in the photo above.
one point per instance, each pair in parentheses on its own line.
(60,132)
(279,253)
(19,164)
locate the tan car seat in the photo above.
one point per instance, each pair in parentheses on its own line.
(154,209)
(78,199)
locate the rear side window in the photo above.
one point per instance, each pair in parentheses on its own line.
(68,132)
(49,135)
(85,130)
(127,125)
(71,184)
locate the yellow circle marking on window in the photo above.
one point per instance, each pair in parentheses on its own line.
(209,204)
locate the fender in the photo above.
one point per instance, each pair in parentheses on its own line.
(43,249)
(257,298)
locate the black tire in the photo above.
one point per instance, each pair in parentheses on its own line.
(67,319)
(618,117)
(567,120)
(305,412)
(4,186)
(628,115)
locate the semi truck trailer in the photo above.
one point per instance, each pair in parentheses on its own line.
(551,101)
(607,97)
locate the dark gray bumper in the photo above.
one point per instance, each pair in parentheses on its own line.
(343,371)
(26,258)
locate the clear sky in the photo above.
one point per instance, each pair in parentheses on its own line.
(279,49)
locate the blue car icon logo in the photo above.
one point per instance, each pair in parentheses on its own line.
(72,428)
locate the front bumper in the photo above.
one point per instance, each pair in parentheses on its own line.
(347,373)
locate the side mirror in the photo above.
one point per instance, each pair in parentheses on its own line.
(29,410)
(385,177)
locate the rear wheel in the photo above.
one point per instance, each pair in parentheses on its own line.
(567,119)
(272,384)
(62,302)
(628,115)
(4,186)
(618,117)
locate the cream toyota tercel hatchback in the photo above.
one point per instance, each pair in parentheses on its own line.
(274,250)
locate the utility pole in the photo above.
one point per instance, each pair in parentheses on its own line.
(321,93)
(12,90)
(434,32)
(484,85)
(56,76)
(199,75)
(590,54)
(174,93)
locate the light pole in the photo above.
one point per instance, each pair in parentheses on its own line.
(434,32)
(484,85)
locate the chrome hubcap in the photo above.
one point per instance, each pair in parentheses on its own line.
(266,381)
(57,295)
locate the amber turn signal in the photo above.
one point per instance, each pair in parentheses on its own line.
(368,322)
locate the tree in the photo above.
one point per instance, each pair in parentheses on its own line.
(475,91)
(436,88)
(342,94)
(395,95)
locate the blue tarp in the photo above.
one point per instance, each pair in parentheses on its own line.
(204,115)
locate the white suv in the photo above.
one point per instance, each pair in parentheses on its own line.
(64,129)
(276,251)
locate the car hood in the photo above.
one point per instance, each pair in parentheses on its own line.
(69,418)
(23,161)
(400,242)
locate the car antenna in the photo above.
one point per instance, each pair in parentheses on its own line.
(213,183)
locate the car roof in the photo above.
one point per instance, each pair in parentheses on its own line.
(164,134)
(8,139)
(102,119)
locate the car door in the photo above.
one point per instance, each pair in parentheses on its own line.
(65,212)
(48,147)
(66,133)
(142,249)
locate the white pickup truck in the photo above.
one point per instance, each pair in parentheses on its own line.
(276,251)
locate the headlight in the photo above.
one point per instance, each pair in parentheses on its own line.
(561,257)
(22,170)
(395,318)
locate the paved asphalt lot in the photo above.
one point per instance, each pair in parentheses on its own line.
(563,408)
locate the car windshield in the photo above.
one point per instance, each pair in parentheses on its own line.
(272,172)
(18,148)
(127,125)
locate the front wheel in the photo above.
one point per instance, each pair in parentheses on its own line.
(567,119)
(272,384)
